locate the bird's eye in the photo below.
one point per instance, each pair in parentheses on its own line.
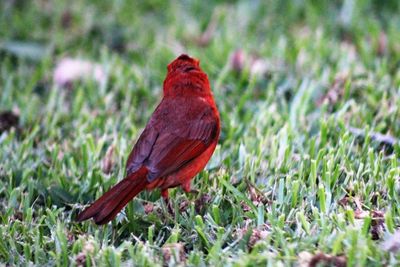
(187,69)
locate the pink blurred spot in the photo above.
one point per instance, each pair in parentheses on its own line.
(238,60)
(69,70)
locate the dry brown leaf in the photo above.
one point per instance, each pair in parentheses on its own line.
(377,224)
(201,202)
(88,248)
(244,206)
(184,205)
(174,252)
(256,196)
(108,161)
(306,259)
(80,259)
(242,231)
(344,201)
(335,92)
(66,19)
(8,120)
(257,235)
(377,218)
(148,207)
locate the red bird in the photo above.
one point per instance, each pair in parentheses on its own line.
(176,144)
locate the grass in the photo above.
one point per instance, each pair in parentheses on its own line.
(289,176)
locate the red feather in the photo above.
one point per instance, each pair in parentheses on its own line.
(106,207)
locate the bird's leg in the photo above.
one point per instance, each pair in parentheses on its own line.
(187,188)
(164,194)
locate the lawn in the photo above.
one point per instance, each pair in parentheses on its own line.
(307,168)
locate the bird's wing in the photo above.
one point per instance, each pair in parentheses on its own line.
(163,150)
(173,150)
(142,149)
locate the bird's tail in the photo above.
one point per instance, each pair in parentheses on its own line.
(107,206)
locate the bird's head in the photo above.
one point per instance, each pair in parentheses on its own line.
(183,64)
(185,77)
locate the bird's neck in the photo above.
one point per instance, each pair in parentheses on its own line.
(183,85)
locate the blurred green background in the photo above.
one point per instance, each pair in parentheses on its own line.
(307,163)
